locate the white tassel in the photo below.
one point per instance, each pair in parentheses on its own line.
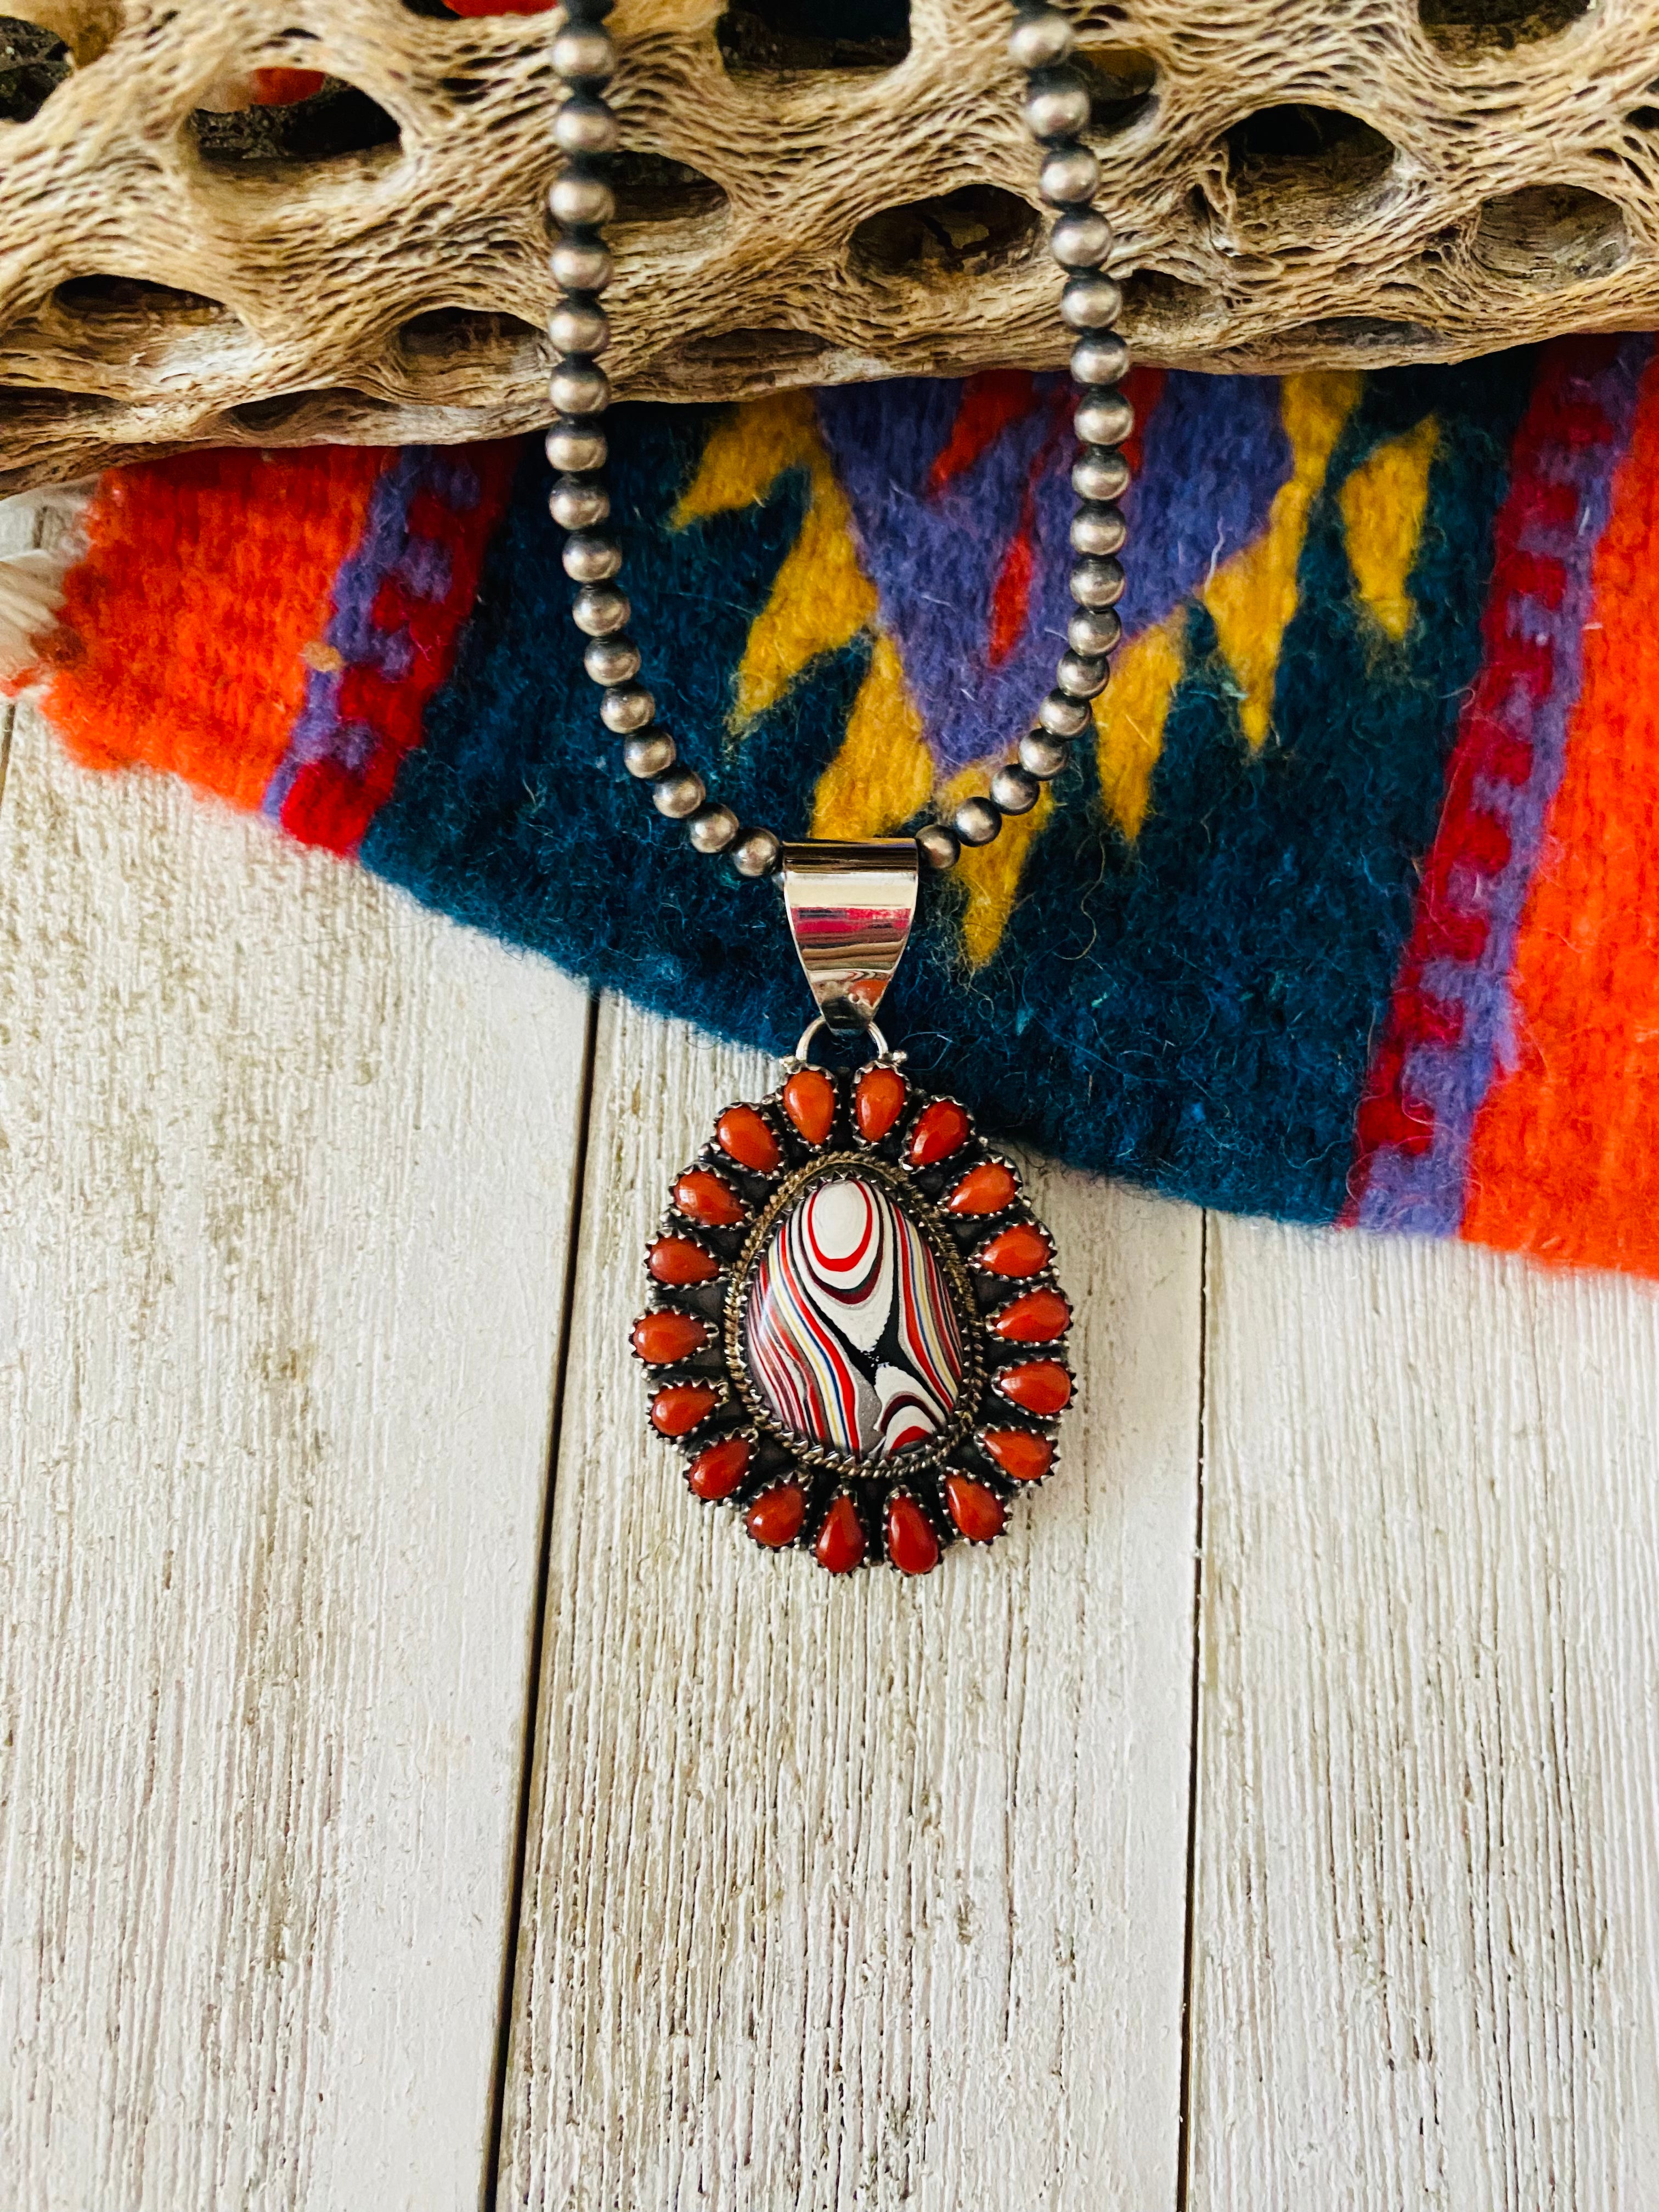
(32,579)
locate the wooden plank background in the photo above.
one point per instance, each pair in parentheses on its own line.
(1271,1821)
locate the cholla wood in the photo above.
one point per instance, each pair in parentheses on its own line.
(1323,181)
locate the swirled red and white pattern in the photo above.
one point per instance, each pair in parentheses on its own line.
(850,1333)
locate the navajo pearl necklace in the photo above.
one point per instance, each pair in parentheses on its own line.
(855,1334)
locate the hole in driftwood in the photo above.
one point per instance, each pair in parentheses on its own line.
(1645,118)
(768,38)
(37,407)
(1279,155)
(1359,334)
(133,322)
(1551,234)
(1469,27)
(1156,302)
(650,188)
(971,229)
(334,121)
(755,349)
(33,64)
(1120,81)
(305,412)
(441,339)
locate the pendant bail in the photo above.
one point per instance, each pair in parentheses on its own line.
(850,904)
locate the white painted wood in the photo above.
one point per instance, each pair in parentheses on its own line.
(285,1171)
(860,1894)
(1428,1869)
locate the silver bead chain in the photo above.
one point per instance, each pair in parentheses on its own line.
(581,201)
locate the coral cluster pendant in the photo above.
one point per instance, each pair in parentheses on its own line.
(855,1335)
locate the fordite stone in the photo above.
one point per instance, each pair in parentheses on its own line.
(850,1330)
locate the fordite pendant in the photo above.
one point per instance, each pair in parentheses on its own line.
(855,1336)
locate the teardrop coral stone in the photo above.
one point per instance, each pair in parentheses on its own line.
(1021,1251)
(911,1544)
(984,1189)
(809,1100)
(702,1196)
(719,1468)
(743,1135)
(1018,1453)
(775,1516)
(976,1510)
(661,1338)
(676,1411)
(939,1129)
(840,1547)
(1042,1388)
(877,1102)
(1037,1318)
(677,1261)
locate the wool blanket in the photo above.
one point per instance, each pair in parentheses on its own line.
(1347,912)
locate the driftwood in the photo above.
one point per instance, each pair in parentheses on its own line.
(1294,182)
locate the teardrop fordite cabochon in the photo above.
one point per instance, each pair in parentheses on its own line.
(855,1335)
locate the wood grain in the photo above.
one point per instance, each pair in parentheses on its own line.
(1428,1871)
(285,1173)
(868,1894)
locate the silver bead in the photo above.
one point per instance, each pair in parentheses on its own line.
(712,829)
(1104,418)
(599,609)
(1100,475)
(1096,583)
(1091,303)
(757,853)
(611,660)
(584,52)
(1098,529)
(1093,631)
(585,125)
(1101,358)
(1015,789)
(574,198)
(577,326)
(626,706)
(650,756)
(1063,716)
(581,265)
(1080,241)
(941,848)
(977,820)
(1039,39)
(577,387)
(589,558)
(576,446)
(578,502)
(1082,676)
(1041,756)
(1069,174)
(680,793)
(1057,106)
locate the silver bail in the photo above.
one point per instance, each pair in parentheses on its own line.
(850,905)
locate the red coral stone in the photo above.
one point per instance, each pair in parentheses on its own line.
(742,1133)
(939,1129)
(1024,1249)
(661,1338)
(984,1189)
(702,1196)
(775,1516)
(809,1100)
(840,1547)
(676,1411)
(877,1102)
(976,1510)
(719,1468)
(677,1261)
(1018,1453)
(1042,1388)
(911,1544)
(1037,1318)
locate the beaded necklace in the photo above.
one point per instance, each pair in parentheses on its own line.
(855,1335)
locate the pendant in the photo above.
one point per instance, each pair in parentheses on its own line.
(855,1335)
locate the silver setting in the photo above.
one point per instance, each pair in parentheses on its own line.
(850,906)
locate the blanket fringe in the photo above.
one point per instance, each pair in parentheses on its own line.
(32,579)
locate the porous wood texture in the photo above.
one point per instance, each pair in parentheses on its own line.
(1319,181)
